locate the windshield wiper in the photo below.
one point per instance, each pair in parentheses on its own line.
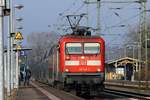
(67,51)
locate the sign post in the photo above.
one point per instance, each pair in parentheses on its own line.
(18,37)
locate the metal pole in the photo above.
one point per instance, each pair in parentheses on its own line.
(12,40)
(14,69)
(16,82)
(87,11)
(98,17)
(53,74)
(140,50)
(1,54)
(133,64)
(146,51)
(108,54)
(5,69)
(125,71)
(19,64)
(144,32)
(12,65)
(17,70)
(9,57)
(125,51)
(57,74)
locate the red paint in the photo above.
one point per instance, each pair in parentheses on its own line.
(82,67)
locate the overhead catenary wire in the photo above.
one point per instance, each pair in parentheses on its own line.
(115,25)
(123,20)
(108,28)
(126,20)
(80,8)
(62,15)
(68,9)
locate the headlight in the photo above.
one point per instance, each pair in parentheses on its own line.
(98,69)
(66,70)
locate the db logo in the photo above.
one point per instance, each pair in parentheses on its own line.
(83,63)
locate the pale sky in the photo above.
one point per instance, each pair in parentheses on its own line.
(38,14)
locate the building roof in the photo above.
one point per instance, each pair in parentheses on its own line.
(124,60)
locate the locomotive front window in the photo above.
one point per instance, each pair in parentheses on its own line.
(73,48)
(91,48)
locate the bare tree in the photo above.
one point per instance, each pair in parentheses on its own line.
(40,44)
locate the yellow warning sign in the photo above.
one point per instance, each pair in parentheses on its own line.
(19,47)
(18,36)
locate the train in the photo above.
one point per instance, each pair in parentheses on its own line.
(76,62)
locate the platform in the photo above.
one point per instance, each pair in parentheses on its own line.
(30,93)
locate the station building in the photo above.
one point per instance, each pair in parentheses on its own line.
(123,69)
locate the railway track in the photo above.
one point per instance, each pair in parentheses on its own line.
(138,96)
(107,94)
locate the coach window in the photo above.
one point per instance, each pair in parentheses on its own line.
(91,48)
(73,48)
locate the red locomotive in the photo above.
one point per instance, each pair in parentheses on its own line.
(77,62)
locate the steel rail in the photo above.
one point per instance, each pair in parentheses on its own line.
(127,94)
(126,84)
